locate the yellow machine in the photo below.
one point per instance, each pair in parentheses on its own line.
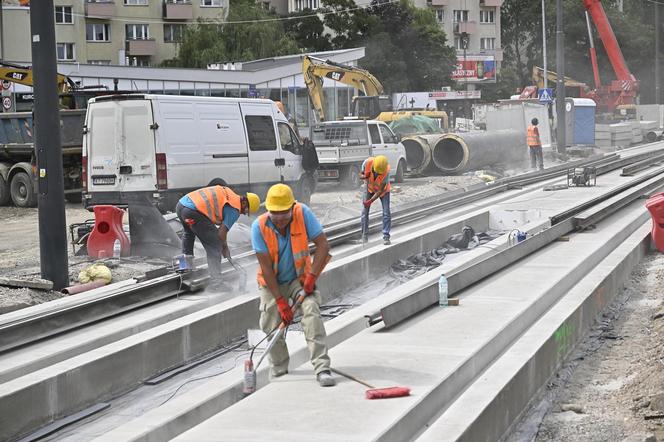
(371,106)
(577,88)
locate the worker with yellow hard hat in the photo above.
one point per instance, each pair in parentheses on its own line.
(376,173)
(201,211)
(281,239)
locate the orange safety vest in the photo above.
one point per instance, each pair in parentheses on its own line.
(299,244)
(375,181)
(210,201)
(533,138)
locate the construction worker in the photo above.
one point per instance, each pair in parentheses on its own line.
(201,211)
(535,145)
(281,240)
(376,172)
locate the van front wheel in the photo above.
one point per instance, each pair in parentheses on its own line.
(305,189)
(401,171)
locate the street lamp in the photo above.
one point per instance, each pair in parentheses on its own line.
(465,39)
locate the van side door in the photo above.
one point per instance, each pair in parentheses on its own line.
(391,145)
(291,151)
(265,160)
(374,140)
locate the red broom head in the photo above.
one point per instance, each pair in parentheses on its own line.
(386,393)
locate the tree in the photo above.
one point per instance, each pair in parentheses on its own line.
(308,31)
(251,33)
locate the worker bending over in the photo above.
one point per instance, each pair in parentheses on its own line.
(281,241)
(376,172)
(200,212)
(535,145)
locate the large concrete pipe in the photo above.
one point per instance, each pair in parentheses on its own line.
(653,135)
(458,153)
(418,152)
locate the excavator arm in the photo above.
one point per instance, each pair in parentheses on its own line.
(315,70)
(23,75)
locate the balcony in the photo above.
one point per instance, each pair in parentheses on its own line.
(103,10)
(440,2)
(489,3)
(141,47)
(178,10)
(469,27)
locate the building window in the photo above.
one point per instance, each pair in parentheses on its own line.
(97,32)
(178,2)
(306,4)
(65,51)
(487,16)
(137,31)
(173,33)
(101,62)
(440,15)
(266,6)
(63,15)
(458,43)
(136,2)
(460,15)
(487,43)
(211,3)
(138,61)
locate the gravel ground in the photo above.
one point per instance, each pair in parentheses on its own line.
(613,387)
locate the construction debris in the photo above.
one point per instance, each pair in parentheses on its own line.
(32,283)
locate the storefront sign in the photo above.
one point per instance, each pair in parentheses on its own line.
(455,95)
(475,69)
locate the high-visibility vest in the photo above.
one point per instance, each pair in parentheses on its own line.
(210,201)
(299,244)
(533,138)
(375,181)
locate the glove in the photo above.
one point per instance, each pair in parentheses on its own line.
(284,310)
(309,283)
(367,203)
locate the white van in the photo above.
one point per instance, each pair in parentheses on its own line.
(156,148)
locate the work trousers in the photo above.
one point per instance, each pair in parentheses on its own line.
(205,230)
(312,324)
(536,158)
(387,216)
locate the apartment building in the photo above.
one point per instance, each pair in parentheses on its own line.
(120,32)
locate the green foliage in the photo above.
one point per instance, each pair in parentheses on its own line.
(308,31)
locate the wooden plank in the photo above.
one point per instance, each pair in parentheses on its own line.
(33,283)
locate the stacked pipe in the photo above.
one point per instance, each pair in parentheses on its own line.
(457,153)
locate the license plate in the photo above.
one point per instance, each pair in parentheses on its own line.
(329,173)
(103,180)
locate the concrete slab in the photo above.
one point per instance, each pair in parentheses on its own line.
(418,353)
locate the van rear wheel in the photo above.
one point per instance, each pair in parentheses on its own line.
(401,171)
(22,190)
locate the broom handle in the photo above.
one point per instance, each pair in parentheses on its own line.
(352,378)
(280,330)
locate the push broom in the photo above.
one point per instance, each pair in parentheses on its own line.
(376,393)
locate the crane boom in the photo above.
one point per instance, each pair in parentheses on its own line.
(23,75)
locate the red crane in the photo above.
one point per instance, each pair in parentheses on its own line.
(622,92)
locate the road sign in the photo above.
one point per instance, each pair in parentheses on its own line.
(545,95)
(7,102)
(6,84)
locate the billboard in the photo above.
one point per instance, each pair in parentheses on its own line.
(475,69)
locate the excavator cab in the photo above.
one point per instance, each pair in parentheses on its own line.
(370,107)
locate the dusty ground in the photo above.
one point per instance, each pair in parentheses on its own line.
(19,238)
(613,388)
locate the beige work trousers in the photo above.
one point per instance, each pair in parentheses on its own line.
(312,323)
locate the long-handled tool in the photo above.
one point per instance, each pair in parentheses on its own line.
(249,368)
(376,393)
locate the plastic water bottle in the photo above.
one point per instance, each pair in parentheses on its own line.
(442,290)
(117,249)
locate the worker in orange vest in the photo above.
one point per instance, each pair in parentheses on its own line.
(376,172)
(281,240)
(535,145)
(201,211)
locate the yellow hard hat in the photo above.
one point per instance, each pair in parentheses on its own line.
(254,202)
(279,198)
(380,164)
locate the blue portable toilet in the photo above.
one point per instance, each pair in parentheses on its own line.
(580,116)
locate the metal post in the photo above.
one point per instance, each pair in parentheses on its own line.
(2,35)
(50,183)
(546,75)
(658,80)
(464,42)
(560,84)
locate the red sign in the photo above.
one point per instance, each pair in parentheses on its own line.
(475,70)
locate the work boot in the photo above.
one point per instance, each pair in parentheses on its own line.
(386,241)
(325,379)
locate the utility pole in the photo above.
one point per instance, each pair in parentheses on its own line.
(51,196)
(465,39)
(560,85)
(658,80)
(546,72)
